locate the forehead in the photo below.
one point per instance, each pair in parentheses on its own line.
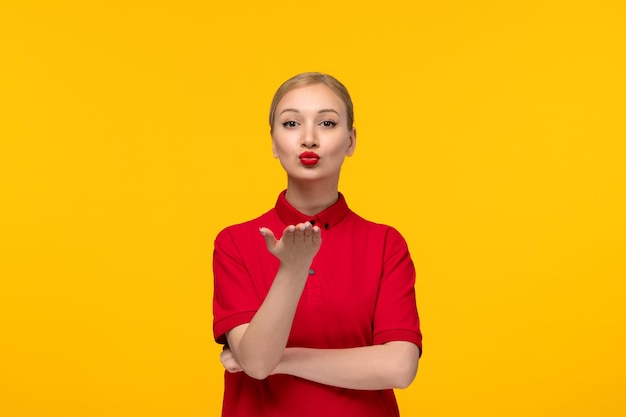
(311,97)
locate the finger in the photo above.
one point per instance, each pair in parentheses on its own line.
(317,235)
(228,361)
(270,239)
(288,234)
(232,366)
(226,356)
(308,231)
(299,234)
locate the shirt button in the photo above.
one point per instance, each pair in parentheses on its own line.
(311,271)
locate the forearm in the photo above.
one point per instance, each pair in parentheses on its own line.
(259,345)
(392,365)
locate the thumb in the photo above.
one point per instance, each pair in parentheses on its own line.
(270,238)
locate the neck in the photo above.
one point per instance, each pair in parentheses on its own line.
(311,199)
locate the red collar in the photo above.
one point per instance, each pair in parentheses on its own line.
(325,219)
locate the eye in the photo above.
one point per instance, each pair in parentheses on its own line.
(289,124)
(328,123)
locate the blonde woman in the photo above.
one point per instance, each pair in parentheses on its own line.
(315,306)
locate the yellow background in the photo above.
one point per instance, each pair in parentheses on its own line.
(490,133)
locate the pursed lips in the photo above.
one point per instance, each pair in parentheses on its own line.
(309,158)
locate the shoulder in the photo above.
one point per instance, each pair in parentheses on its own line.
(389,232)
(380,237)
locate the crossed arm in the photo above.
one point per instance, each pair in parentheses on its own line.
(391,365)
(259,348)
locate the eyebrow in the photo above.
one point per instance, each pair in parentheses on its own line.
(320,111)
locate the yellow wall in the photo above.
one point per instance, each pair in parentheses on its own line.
(491,134)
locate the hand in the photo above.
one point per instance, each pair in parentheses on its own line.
(298,245)
(228,361)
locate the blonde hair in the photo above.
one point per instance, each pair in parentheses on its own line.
(312,78)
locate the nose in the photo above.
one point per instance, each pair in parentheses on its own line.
(309,137)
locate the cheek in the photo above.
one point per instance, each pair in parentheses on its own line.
(285,140)
(342,144)
(277,148)
(276,143)
(280,148)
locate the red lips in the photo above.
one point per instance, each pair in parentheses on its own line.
(309,158)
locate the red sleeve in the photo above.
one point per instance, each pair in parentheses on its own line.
(396,315)
(235,300)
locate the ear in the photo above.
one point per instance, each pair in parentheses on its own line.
(274,153)
(352,142)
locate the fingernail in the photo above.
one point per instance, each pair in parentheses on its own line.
(262,231)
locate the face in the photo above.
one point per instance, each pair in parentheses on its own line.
(310,135)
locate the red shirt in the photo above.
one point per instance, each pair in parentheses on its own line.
(360,292)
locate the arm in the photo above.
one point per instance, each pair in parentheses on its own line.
(258,346)
(391,365)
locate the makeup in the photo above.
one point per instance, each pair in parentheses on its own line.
(309,158)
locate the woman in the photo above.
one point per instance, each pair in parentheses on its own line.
(314,304)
